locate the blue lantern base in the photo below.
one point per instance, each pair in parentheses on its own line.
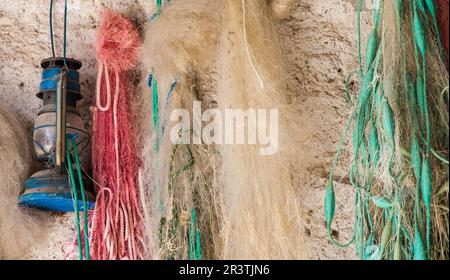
(49,191)
(60,202)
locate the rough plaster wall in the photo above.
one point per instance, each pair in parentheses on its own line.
(319,42)
(320,47)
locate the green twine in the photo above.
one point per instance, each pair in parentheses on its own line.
(75,196)
(358,31)
(419,39)
(83,196)
(194,234)
(159,4)
(158,7)
(373,115)
(195,249)
(153,83)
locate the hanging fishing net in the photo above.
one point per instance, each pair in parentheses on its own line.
(400,138)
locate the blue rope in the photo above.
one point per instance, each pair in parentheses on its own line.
(169,94)
(51,28)
(150,80)
(52,39)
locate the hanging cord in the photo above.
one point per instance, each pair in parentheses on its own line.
(52,38)
(83,194)
(75,203)
(72,181)
(51,29)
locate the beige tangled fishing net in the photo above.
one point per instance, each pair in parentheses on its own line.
(216,201)
(18,229)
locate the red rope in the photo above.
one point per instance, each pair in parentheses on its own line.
(116,224)
(118,214)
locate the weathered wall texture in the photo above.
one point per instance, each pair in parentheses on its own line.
(319,44)
(321,49)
